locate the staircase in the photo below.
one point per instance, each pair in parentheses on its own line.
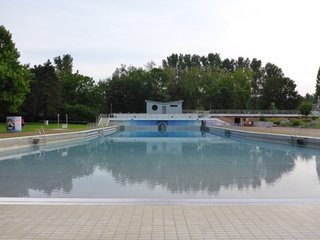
(103,120)
(226,120)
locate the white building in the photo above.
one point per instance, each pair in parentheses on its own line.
(174,107)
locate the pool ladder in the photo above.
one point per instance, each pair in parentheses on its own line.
(40,137)
(39,140)
(297,139)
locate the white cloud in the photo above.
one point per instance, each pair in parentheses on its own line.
(282,32)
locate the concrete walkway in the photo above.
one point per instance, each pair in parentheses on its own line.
(129,221)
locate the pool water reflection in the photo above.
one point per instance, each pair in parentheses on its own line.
(165,167)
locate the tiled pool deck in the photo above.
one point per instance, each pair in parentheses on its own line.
(136,221)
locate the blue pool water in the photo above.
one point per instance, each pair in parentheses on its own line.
(176,165)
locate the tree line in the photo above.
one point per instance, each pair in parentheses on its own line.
(203,82)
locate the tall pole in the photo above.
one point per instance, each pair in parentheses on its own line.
(58,119)
(67,120)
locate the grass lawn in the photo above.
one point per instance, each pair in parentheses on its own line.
(31,127)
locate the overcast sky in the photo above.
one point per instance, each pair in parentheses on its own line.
(101,35)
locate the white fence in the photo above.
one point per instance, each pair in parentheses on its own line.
(129,116)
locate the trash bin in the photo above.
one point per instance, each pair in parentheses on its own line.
(46,122)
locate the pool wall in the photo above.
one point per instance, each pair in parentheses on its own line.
(297,140)
(155,122)
(18,142)
(151,125)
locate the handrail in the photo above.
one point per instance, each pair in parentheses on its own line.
(242,111)
(216,111)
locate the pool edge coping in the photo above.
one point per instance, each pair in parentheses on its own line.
(76,135)
(155,201)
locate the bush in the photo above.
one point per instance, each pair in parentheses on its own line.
(305,108)
(296,123)
(79,112)
(262,119)
(277,123)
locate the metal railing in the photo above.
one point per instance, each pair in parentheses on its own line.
(153,116)
(193,113)
(241,111)
(92,125)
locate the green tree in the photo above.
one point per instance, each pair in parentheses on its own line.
(217,93)
(171,61)
(228,65)
(227,90)
(64,64)
(214,60)
(203,82)
(43,100)
(101,92)
(174,88)
(242,63)
(159,81)
(82,103)
(309,98)
(192,88)
(14,77)
(83,90)
(67,81)
(128,88)
(241,87)
(257,80)
(305,108)
(209,82)
(278,89)
(79,93)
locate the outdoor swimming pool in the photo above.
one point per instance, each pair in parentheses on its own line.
(174,165)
